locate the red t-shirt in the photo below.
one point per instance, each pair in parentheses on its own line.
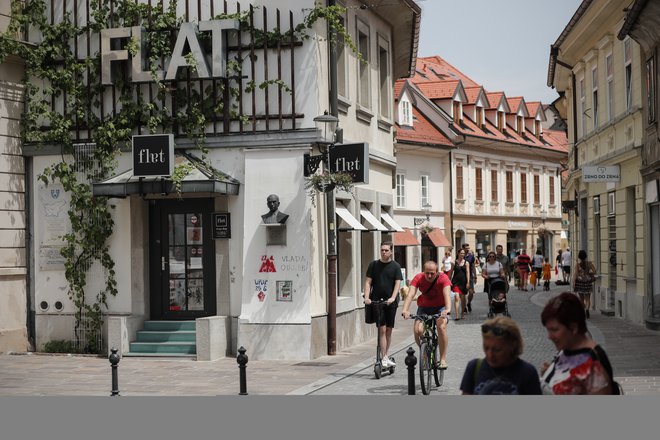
(434,297)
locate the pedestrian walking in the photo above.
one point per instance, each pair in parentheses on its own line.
(501,371)
(537,266)
(583,280)
(460,281)
(547,274)
(558,265)
(524,268)
(581,366)
(382,283)
(504,261)
(473,259)
(566,258)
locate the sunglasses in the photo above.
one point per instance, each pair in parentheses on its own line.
(494,329)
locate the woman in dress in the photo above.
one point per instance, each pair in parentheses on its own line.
(581,366)
(501,371)
(583,280)
(460,280)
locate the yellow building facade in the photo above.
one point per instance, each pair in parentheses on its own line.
(600,80)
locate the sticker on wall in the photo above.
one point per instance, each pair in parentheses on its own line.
(284,291)
(267,264)
(261,289)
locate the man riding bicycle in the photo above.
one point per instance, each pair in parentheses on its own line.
(435,288)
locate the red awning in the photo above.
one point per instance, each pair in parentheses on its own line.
(405,238)
(438,238)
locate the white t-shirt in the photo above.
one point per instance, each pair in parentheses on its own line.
(566,258)
(446,262)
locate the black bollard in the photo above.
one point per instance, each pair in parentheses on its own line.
(242,360)
(114,360)
(411,361)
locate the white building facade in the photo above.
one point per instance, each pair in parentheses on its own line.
(205,254)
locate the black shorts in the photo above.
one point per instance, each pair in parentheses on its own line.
(385,314)
(566,269)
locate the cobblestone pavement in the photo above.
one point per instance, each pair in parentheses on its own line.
(633,350)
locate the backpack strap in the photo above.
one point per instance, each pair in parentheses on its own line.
(477,368)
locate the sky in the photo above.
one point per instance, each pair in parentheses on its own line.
(504,45)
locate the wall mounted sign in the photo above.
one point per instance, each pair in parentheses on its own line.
(351,159)
(601,173)
(284,291)
(187,45)
(221,225)
(153,155)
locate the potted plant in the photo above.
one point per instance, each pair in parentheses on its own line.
(542,230)
(426,228)
(326,181)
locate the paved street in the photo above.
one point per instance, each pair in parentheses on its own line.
(633,350)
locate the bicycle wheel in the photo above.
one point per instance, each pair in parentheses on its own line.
(438,375)
(425,367)
(378,367)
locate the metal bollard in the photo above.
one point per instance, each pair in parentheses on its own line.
(242,360)
(411,361)
(114,360)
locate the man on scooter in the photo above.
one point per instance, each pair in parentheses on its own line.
(382,284)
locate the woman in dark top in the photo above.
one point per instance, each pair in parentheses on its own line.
(461,279)
(501,371)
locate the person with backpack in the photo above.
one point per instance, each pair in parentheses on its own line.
(501,371)
(581,366)
(583,280)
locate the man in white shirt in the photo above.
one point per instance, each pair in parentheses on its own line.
(566,259)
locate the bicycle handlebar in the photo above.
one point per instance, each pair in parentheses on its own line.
(427,317)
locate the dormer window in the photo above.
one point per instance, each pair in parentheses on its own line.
(501,124)
(457,110)
(405,113)
(479,116)
(520,123)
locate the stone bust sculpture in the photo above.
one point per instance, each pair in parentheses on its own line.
(274,216)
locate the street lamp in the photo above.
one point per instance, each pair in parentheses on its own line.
(327,125)
(426,208)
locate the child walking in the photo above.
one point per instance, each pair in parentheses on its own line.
(547,274)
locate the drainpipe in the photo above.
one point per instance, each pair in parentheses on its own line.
(330,205)
(451,200)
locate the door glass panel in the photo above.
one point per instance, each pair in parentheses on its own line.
(185,250)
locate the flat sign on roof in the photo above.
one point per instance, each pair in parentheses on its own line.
(153,155)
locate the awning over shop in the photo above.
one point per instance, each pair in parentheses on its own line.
(394,226)
(374,224)
(404,238)
(201,179)
(342,212)
(438,238)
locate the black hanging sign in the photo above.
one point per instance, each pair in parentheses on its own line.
(221,225)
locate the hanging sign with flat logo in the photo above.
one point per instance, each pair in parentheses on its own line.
(351,159)
(153,155)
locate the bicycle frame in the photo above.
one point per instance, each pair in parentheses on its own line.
(428,347)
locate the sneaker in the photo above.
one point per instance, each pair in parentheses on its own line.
(385,362)
(391,361)
(442,365)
